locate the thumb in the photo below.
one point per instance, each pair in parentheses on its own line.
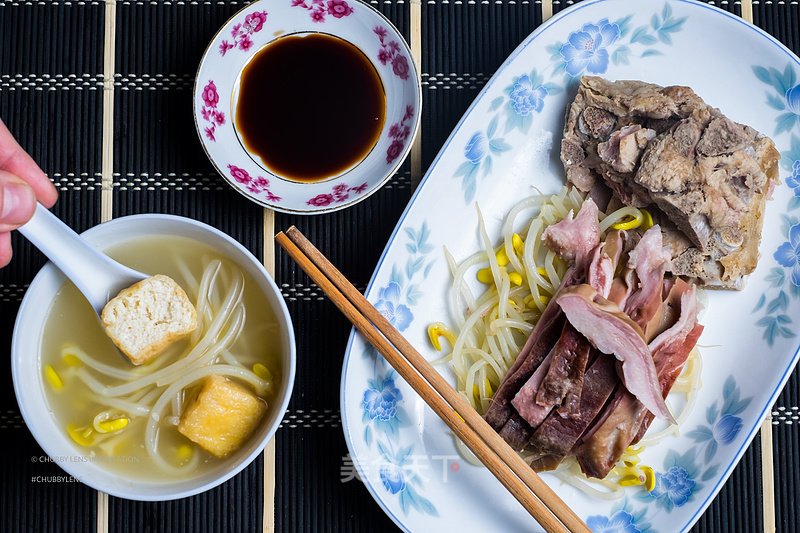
(17,202)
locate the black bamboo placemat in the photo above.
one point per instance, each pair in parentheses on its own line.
(782,20)
(49,97)
(51,86)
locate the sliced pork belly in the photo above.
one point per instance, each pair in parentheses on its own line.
(689,309)
(600,272)
(665,149)
(525,400)
(674,356)
(567,382)
(605,443)
(563,393)
(626,419)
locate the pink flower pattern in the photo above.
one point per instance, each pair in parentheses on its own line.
(339,8)
(384,56)
(321,200)
(245,43)
(318,9)
(209,111)
(255,21)
(257,185)
(340,193)
(242,33)
(318,15)
(400,132)
(390,54)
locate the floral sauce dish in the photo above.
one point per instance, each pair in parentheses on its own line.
(218,84)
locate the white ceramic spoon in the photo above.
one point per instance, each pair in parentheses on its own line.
(96,275)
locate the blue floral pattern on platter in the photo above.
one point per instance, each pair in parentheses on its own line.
(591,49)
(382,401)
(522,101)
(479,151)
(389,305)
(786,95)
(527,95)
(784,279)
(622,520)
(619,39)
(683,475)
(675,486)
(788,254)
(588,50)
(723,423)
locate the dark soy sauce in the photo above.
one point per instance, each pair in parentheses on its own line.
(310,106)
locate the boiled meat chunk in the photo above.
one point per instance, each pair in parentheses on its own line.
(664,149)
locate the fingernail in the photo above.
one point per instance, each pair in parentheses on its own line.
(16,203)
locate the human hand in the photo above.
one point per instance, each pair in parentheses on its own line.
(22,184)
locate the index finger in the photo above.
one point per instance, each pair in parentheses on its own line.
(15,160)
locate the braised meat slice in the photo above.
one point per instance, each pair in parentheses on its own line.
(665,149)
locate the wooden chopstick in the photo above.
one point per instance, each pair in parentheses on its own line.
(473,442)
(516,475)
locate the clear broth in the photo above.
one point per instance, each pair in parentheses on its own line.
(71,320)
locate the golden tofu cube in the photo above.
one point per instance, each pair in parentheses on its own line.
(222,416)
(148,316)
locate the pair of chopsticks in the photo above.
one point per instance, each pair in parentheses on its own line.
(507,466)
